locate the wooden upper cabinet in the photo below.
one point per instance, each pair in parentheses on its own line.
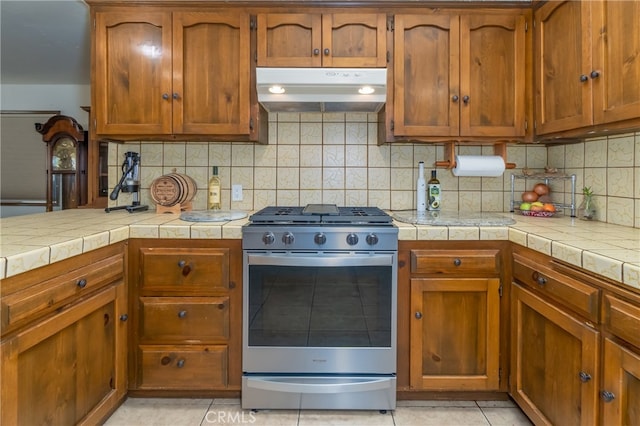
(171,73)
(346,40)
(616,46)
(587,70)
(459,76)
(211,73)
(492,75)
(426,75)
(132,73)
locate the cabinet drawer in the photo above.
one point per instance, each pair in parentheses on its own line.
(455,262)
(576,295)
(622,318)
(183,367)
(196,270)
(49,295)
(184,318)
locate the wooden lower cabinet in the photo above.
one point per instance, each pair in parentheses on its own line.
(67,367)
(620,394)
(455,333)
(187,311)
(554,362)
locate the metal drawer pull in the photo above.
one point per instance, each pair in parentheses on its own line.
(584,78)
(182,263)
(180,363)
(124,317)
(584,377)
(182,314)
(607,396)
(418,315)
(457,262)
(326,52)
(316,51)
(82,283)
(539,278)
(186,269)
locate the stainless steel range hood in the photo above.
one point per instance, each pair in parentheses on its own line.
(322,89)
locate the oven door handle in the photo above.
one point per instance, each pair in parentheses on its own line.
(321,261)
(294,385)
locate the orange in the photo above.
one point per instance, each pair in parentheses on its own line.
(548,207)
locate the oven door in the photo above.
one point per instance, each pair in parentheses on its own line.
(319,312)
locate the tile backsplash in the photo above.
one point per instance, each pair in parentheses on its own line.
(334,158)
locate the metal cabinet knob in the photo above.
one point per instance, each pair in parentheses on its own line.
(326,52)
(180,363)
(607,396)
(455,98)
(584,78)
(82,283)
(316,52)
(595,74)
(181,263)
(182,314)
(175,95)
(539,278)
(124,317)
(457,262)
(165,96)
(584,377)
(465,99)
(418,315)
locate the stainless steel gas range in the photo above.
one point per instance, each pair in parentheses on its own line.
(319,308)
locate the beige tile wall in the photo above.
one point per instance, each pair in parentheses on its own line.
(334,158)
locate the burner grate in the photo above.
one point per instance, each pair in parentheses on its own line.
(321,214)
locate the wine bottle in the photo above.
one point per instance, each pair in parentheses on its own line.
(213,200)
(433,190)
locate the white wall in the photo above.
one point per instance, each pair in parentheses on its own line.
(65,98)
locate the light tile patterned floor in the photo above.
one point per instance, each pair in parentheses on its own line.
(204,412)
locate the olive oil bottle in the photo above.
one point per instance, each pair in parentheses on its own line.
(213,200)
(433,192)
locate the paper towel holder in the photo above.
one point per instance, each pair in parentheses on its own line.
(499,148)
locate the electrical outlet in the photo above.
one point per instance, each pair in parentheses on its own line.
(236,192)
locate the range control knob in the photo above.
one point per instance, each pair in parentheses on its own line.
(288,238)
(320,238)
(372,239)
(352,239)
(268,238)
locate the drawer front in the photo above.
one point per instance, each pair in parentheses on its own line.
(622,319)
(183,367)
(576,295)
(47,296)
(455,262)
(182,319)
(198,270)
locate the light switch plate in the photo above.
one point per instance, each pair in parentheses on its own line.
(236,192)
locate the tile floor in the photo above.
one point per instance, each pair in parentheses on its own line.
(177,412)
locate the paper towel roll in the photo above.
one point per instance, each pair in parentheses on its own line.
(479,165)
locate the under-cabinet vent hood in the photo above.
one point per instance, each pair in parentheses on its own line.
(322,89)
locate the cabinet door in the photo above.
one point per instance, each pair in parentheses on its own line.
(554,362)
(492,75)
(620,386)
(132,79)
(211,73)
(426,74)
(353,40)
(289,40)
(562,66)
(455,334)
(616,43)
(68,368)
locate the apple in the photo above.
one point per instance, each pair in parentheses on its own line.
(525,206)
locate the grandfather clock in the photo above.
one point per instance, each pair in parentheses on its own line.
(66,162)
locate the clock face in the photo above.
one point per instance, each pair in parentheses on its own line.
(64,155)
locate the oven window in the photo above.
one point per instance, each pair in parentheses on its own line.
(320,306)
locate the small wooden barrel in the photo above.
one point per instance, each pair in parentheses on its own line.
(172,189)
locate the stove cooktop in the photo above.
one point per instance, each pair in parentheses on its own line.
(321,214)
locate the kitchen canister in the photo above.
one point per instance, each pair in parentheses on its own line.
(173,189)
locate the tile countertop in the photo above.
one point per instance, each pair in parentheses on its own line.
(28,242)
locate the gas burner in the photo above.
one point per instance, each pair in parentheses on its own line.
(321,214)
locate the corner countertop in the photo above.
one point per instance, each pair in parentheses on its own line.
(31,241)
